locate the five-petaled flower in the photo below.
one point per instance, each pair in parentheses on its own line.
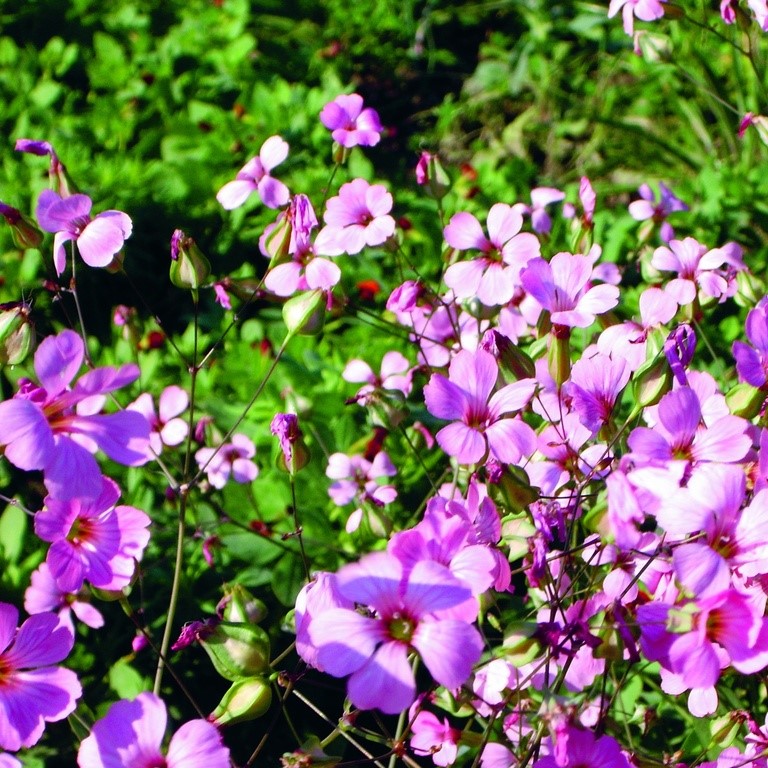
(99,239)
(349,123)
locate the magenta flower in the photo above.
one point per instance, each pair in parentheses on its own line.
(130,735)
(493,277)
(166,428)
(645,10)
(480,427)
(349,123)
(588,200)
(56,428)
(99,239)
(752,361)
(648,208)
(396,374)
(595,385)
(374,648)
(696,267)
(357,217)
(229,459)
(680,434)
(32,691)
(44,595)
(583,748)
(559,287)
(255,176)
(431,737)
(541,197)
(93,539)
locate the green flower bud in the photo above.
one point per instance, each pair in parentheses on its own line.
(651,382)
(24,232)
(745,400)
(515,489)
(521,645)
(17,333)
(559,356)
(277,241)
(246,699)
(237,650)
(432,176)
(305,313)
(189,267)
(239,606)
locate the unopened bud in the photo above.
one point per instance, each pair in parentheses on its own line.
(276,240)
(24,232)
(245,700)
(432,176)
(189,267)
(239,606)
(651,382)
(521,645)
(745,400)
(237,650)
(304,314)
(17,333)
(750,289)
(509,356)
(559,356)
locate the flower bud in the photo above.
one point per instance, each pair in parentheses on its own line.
(294,453)
(432,176)
(246,699)
(745,400)
(509,356)
(305,313)
(17,333)
(237,650)
(515,489)
(651,382)
(189,267)
(276,240)
(239,606)
(559,357)
(24,232)
(750,289)
(521,645)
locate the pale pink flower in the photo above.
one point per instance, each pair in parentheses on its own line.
(227,460)
(349,123)
(130,735)
(645,10)
(255,176)
(357,217)
(166,428)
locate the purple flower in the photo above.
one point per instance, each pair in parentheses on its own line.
(44,595)
(32,691)
(130,735)
(229,459)
(583,748)
(645,10)
(166,428)
(479,427)
(679,348)
(358,216)
(541,197)
(752,362)
(374,648)
(595,385)
(57,173)
(255,176)
(99,239)
(493,277)
(648,208)
(349,123)
(56,428)
(558,286)
(93,539)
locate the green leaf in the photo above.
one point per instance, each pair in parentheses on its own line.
(13,527)
(125,681)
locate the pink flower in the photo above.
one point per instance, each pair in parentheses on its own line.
(648,208)
(559,287)
(374,648)
(435,738)
(98,239)
(229,459)
(595,385)
(93,539)
(56,428)
(357,217)
(541,197)
(696,267)
(44,595)
(349,123)
(493,277)
(588,199)
(255,176)
(645,10)
(130,735)
(583,748)
(395,374)
(480,427)
(32,691)
(166,428)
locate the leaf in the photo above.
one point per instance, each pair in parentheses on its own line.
(125,681)
(13,527)
(288,578)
